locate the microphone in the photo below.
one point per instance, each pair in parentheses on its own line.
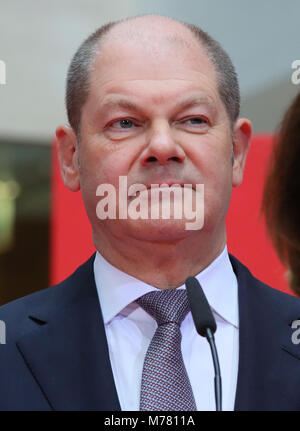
(206,326)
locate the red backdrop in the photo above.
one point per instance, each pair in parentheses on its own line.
(71,242)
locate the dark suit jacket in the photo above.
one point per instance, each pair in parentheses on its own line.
(56,355)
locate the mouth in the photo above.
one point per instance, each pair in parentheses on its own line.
(169,183)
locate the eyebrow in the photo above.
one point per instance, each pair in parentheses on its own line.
(121,102)
(195,101)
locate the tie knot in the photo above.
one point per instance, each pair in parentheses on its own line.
(166,305)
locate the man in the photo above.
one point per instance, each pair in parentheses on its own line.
(155,101)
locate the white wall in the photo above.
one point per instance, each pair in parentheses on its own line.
(39,37)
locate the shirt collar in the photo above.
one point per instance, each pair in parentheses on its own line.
(117,290)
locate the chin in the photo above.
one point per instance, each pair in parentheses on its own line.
(158,230)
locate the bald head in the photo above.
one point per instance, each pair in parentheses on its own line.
(158,37)
(151,31)
(153,36)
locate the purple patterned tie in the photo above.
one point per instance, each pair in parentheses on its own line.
(165,383)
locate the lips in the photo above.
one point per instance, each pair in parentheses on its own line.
(169,183)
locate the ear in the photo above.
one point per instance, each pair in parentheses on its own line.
(67,150)
(241,145)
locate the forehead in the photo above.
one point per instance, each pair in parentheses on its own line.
(155,63)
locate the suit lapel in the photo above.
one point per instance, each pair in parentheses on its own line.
(67,353)
(265,369)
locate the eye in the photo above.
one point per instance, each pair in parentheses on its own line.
(195,121)
(123,124)
(195,124)
(122,128)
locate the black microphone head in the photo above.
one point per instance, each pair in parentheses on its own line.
(201,312)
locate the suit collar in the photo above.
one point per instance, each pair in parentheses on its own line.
(117,290)
(67,353)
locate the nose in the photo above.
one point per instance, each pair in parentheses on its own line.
(161,146)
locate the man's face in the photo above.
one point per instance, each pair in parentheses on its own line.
(154,115)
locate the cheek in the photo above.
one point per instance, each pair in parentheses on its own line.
(112,167)
(100,166)
(212,161)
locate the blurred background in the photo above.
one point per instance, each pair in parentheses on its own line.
(38,39)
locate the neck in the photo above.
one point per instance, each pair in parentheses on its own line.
(163,264)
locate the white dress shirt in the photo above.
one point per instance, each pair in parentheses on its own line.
(129,330)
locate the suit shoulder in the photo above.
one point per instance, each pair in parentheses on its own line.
(15,313)
(22,305)
(262,291)
(278,296)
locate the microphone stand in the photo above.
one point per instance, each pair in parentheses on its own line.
(218,382)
